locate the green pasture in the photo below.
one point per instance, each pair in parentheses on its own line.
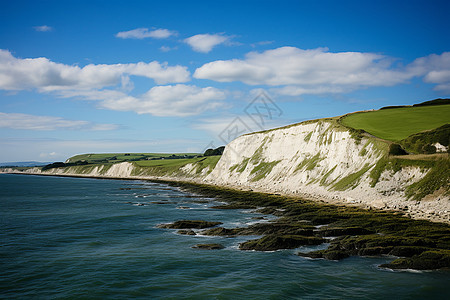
(398,123)
(119,157)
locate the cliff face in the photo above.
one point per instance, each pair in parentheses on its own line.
(308,157)
(326,161)
(318,159)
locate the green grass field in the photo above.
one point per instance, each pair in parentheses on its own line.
(118,157)
(169,166)
(399,123)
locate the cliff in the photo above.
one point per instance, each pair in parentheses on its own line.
(319,160)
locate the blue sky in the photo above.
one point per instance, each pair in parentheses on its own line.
(175,76)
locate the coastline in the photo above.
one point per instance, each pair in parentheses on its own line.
(350,230)
(417,210)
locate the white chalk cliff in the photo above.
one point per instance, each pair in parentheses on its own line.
(319,160)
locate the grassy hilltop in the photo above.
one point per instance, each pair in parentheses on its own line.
(415,127)
(399,123)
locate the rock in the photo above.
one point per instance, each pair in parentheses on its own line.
(327,254)
(335,254)
(186,224)
(208,246)
(263,229)
(337,231)
(408,251)
(277,229)
(374,251)
(312,254)
(275,242)
(220,231)
(234,206)
(428,260)
(186,232)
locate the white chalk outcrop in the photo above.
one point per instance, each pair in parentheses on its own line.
(440,148)
(119,170)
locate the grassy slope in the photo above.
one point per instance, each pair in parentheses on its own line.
(397,124)
(173,166)
(95,158)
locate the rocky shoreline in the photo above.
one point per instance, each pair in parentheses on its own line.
(418,244)
(350,231)
(435,211)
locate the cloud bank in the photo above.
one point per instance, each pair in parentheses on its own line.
(32,122)
(45,75)
(94,82)
(296,71)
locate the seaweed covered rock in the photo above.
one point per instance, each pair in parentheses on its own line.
(263,229)
(372,245)
(277,242)
(187,224)
(186,232)
(356,243)
(208,246)
(428,260)
(327,254)
(234,206)
(408,251)
(279,228)
(221,231)
(339,231)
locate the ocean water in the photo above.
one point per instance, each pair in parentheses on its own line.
(91,238)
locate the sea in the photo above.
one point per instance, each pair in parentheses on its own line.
(72,238)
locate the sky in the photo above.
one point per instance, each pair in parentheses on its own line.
(183,76)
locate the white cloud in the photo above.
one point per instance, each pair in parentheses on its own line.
(172,100)
(290,65)
(205,42)
(142,33)
(33,122)
(436,69)
(94,82)
(262,43)
(167,48)
(45,75)
(43,28)
(318,71)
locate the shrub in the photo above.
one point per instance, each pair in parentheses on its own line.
(396,149)
(217,151)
